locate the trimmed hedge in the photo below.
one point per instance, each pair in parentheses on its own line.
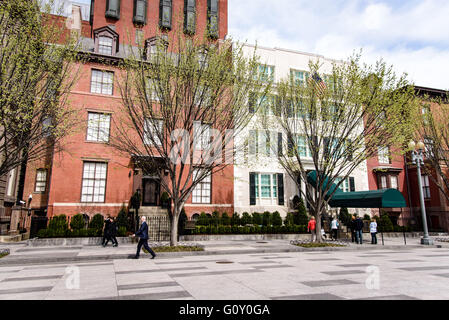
(253,229)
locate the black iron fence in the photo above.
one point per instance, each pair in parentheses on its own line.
(158,228)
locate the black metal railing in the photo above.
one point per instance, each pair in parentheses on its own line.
(158,228)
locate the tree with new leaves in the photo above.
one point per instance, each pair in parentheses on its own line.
(332,123)
(433,130)
(183,105)
(36,75)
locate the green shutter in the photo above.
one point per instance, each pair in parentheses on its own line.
(212,18)
(252,189)
(280,144)
(165,14)
(140,12)
(113,9)
(290,145)
(189,16)
(280,189)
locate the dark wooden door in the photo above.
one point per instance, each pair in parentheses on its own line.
(151,189)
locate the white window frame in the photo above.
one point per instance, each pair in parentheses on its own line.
(425,186)
(105,45)
(201,138)
(345,187)
(102,82)
(150,128)
(41,181)
(98,127)
(151,92)
(383,155)
(202,193)
(93,185)
(394,178)
(11,185)
(272,186)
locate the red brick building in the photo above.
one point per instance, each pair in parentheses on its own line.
(391,169)
(89,176)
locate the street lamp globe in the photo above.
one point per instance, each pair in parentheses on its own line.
(420,145)
(412,145)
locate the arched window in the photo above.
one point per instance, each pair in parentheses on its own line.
(195,216)
(106,41)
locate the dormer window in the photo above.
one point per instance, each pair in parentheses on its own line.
(105,45)
(106,41)
(152,45)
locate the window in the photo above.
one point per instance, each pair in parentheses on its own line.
(425,186)
(105,45)
(11,182)
(41,180)
(265,142)
(428,148)
(153,128)
(383,182)
(201,134)
(299,77)
(266,73)
(202,191)
(98,125)
(266,185)
(212,18)
(383,155)
(94,182)
(165,14)
(101,82)
(140,12)
(394,182)
(303,148)
(189,16)
(139,37)
(155,45)
(425,111)
(152,93)
(113,9)
(344,185)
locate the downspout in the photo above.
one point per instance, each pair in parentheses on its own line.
(408,185)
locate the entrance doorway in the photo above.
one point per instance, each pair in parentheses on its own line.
(151,191)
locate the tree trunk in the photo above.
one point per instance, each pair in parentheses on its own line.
(174,225)
(318,228)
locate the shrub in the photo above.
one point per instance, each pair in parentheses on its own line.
(122,231)
(58,223)
(385,224)
(97,222)
(215,220)
(235,219)
(246,219)
(257,218)
(266,218)
(122,218)
(276,219)
(93,232)
(366,217)
(77,222)
(345,217)
(203,219)
(225,220)
(301,217)
(289,219)
(43,233)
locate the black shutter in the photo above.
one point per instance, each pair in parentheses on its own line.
(212,18)
(279,144)
(189,16)
(299,184)
(351,184)
(290,145)
(289,108)
(349,149)
(252,189)
(140,12)
(113,9)
(91,18)
(165,14)
(280,189)
(326,150)
(278,106)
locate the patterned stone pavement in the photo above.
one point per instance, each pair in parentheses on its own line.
(378,273)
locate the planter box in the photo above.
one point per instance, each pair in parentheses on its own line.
(86,241)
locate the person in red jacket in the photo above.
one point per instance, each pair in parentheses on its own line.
(311,228)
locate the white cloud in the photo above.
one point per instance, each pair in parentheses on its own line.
(411,35)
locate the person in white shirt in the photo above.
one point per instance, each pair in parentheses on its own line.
(373,231)
(334,228)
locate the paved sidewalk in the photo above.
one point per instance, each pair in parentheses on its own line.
(228,271)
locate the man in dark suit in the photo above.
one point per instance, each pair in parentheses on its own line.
(143,241)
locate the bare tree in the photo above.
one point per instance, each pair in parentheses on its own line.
(184,102)
(36,74)
(332,123)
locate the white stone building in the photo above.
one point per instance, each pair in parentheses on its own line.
(273,187)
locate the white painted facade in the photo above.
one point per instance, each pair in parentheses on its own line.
(283,61)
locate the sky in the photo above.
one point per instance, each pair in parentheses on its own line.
(410,35)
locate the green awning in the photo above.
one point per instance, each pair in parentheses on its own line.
(386,198)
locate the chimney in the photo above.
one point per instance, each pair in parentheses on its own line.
(74,21)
